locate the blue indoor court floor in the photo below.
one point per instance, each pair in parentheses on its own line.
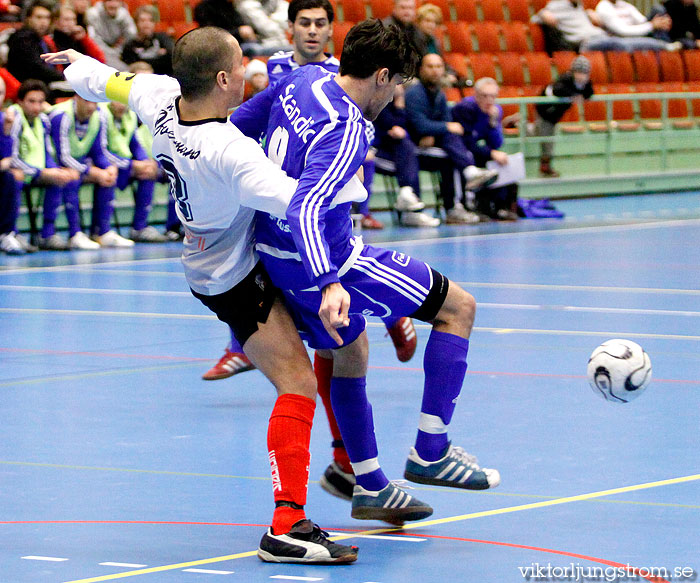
(117,462)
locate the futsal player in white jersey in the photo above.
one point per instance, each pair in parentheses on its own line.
(218,177)
(316,132)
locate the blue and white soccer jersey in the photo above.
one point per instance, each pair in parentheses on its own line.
(282,64)
(318,135)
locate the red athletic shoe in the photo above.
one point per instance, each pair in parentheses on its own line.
(403,335)
(369,222)
(231,363)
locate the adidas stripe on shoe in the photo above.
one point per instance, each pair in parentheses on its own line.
(457,469)
(392,505)
(304,543)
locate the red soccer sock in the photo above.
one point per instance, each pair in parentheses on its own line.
(323,367)
(288,436)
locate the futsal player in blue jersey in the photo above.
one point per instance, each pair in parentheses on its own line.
(331,280)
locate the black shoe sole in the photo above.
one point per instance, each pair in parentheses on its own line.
(270,558)
(395,516)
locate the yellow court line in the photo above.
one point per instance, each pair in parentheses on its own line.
(422,524)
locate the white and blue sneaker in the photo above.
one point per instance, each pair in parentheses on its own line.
(457,469)
(304,543)
(392,505)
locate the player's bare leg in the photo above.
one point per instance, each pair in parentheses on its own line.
(277,351)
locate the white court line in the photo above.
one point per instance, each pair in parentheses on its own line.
(129,565)
(292,578)
(209,571)
(591,288)
(403,539)
(573,230)
(40,558)
(89,290)
(588,309)
(611,334)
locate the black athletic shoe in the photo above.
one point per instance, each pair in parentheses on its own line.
(337,482)
(304,543)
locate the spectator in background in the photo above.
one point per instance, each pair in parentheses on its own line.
(33,154)
(173,227)
(620,18)
(154,48)
(685,24)
(404,16)
(135,168)
(430,124)
(79,132)
(113,27)
(481,117)
(224,14)
(11,181)
(68,34)
(580,28)
(81,7)
(9,12)
(269,21)
(393,143)
(27,44)
(574,84)
(428,20)
(256,77)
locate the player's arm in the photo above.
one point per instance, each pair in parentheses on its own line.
(332,162)
(251,117)
(96,81)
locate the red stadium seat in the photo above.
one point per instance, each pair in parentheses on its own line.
(691,59)
(538,5)
(562,61)
(482,65)
(599,68)
(623,111)
(515,37)
(620,66)
(678,108)
(460,37)
(694,86)
(518,10)
(492,10)
(512,72)
(466,10)
(458,63)
(539,67)
(595,114)
(180,28)
(650,109)
(536,37)
(171,10)
(487,37)
(381,8)
(671,65)
(340,29)
(353,10)
(646,66)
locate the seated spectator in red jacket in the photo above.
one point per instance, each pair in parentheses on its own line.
(27,44)
(149,46)
(67,34)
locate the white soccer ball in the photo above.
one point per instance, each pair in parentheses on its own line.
(619,370)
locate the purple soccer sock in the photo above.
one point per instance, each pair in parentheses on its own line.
(235,345)
(445,364)
(353,414)
(52,200)
(102,208)
(143,196)
(389,321)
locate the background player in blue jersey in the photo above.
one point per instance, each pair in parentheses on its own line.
(331,280)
